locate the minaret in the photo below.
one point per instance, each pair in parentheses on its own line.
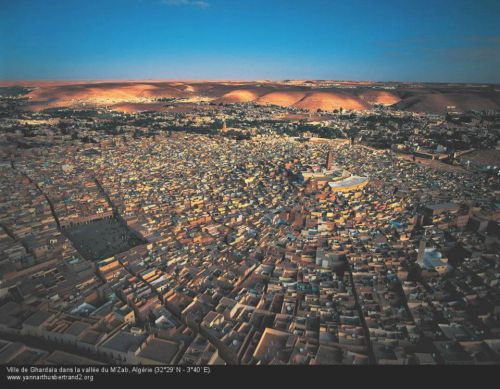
(224,127)
(421,248)
(329,160)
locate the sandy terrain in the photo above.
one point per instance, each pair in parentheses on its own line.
(433,164)
(379,97)
(328,101)
(238,96)
(309,95)
(284,99)
(485,157)
(438,102)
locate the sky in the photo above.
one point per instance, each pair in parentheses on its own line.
(384,40)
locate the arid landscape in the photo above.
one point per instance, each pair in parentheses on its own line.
(237,190)
(129,96)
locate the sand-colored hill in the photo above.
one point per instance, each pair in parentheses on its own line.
(328,101)
(239,96)
(284,99)
(443,102)
(379,97)
(310,95)
(100,93)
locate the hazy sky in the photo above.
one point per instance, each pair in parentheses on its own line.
(455,40)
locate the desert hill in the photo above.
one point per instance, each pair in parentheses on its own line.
(284,99)
(329,101)
(238,96)
(441,102)
(379,97)
(309,95)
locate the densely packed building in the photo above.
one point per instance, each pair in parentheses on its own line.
(193,248)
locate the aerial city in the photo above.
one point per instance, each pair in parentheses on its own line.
(225,214)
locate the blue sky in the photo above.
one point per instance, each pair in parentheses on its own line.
(454,41)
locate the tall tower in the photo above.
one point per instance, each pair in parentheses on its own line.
(224,126)
(421,247)
(329,160)
(421,250)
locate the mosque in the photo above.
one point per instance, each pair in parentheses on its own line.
(340,180)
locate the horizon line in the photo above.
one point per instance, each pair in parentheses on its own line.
(235,80)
